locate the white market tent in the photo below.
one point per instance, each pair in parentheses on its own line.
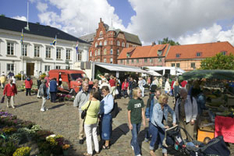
(153,73)
(172,70)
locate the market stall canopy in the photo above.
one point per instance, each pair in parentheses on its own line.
(121,68)
(208,74)
(164,70)
(153,73)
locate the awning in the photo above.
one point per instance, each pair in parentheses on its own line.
(122,68)
(153,73)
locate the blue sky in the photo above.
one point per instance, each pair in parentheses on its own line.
(185,21)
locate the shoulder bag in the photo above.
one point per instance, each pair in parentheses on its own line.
(83,114)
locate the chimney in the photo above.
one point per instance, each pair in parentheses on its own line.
(153,43)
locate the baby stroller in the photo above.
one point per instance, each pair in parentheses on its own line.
(174,141)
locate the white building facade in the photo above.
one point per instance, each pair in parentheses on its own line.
(36,53)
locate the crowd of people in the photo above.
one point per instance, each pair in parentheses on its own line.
(97,100)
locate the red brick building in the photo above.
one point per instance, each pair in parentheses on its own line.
(153,55)
(107,43)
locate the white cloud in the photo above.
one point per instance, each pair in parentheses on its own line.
(79,17)
(42,7)
(22,18)
(212,34)
(157,19)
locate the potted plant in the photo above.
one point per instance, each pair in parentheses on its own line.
(22,151)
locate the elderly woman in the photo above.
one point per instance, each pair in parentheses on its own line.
(10,90)
(157,128)
(106,107)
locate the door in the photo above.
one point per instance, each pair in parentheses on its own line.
(30,69)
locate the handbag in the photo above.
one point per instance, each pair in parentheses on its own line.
(115,110)
(2,100)
(83,114)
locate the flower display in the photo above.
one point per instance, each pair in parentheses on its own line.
(22,151)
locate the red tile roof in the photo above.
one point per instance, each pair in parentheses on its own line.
(206,50)
(144,51)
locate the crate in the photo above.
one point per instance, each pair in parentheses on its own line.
(201,135)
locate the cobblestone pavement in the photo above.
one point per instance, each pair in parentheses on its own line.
(61,118)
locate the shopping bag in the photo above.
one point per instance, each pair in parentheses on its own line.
(115,110)
(2,100)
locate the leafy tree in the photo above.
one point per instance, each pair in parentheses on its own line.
(219,61)
(2,15)
(167,41)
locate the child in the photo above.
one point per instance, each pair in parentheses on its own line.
(136,115)
(91,120)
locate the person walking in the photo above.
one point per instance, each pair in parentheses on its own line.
(167,87)
(186,113)
(81,98)
(106,107)
(157,128)
(39,82)
(53,90)
(132,85)
(153,99)
(42,93)
(10,91)
(28,85)
(141,84)
(91,120)
(136,116)
(125,85)
(112,83)
(47,86)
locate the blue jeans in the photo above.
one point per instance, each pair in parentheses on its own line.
(48,93)
(157,131)
(106,126)
(130,94)
(134,142)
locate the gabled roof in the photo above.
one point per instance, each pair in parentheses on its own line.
(144,51)
(206,50)
(35,29)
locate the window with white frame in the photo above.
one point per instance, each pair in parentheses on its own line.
(127,45)
(90,54)
(99,51)
(159,59)
(104,60)
(111,60)
(101,34)
(105,42)
(172,64)
(111,51)
(96,44)
(118,52)
(67,67)
(145,60)
(132,60)
(118,43)
(58,53)
(48,52)
(10,67)
(10,48)
(68,54)
(36,51)
(47,68)
(111,42)
(24,50)
(95,52)
(151,60)
(100,43)
(123,44)
(58,67)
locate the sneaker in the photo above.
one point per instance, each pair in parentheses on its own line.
(42,110)
(138,155)
(132,147)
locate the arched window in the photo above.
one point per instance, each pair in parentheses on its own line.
(104,52)
(100,34)
(118,43)
(118,52)
(105,42)
(100,43)
(99,51)
(96,44)
(111,51)
(123,44)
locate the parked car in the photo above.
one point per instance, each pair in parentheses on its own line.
(68,80)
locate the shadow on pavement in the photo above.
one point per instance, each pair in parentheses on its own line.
(118,132)
(26,103)
(57,106)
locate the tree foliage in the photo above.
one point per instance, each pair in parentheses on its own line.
(167,41)
(219,61)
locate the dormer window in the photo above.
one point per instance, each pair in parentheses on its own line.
(199,54)
(159,52)
(178,55)
(223,52)
(128,55)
